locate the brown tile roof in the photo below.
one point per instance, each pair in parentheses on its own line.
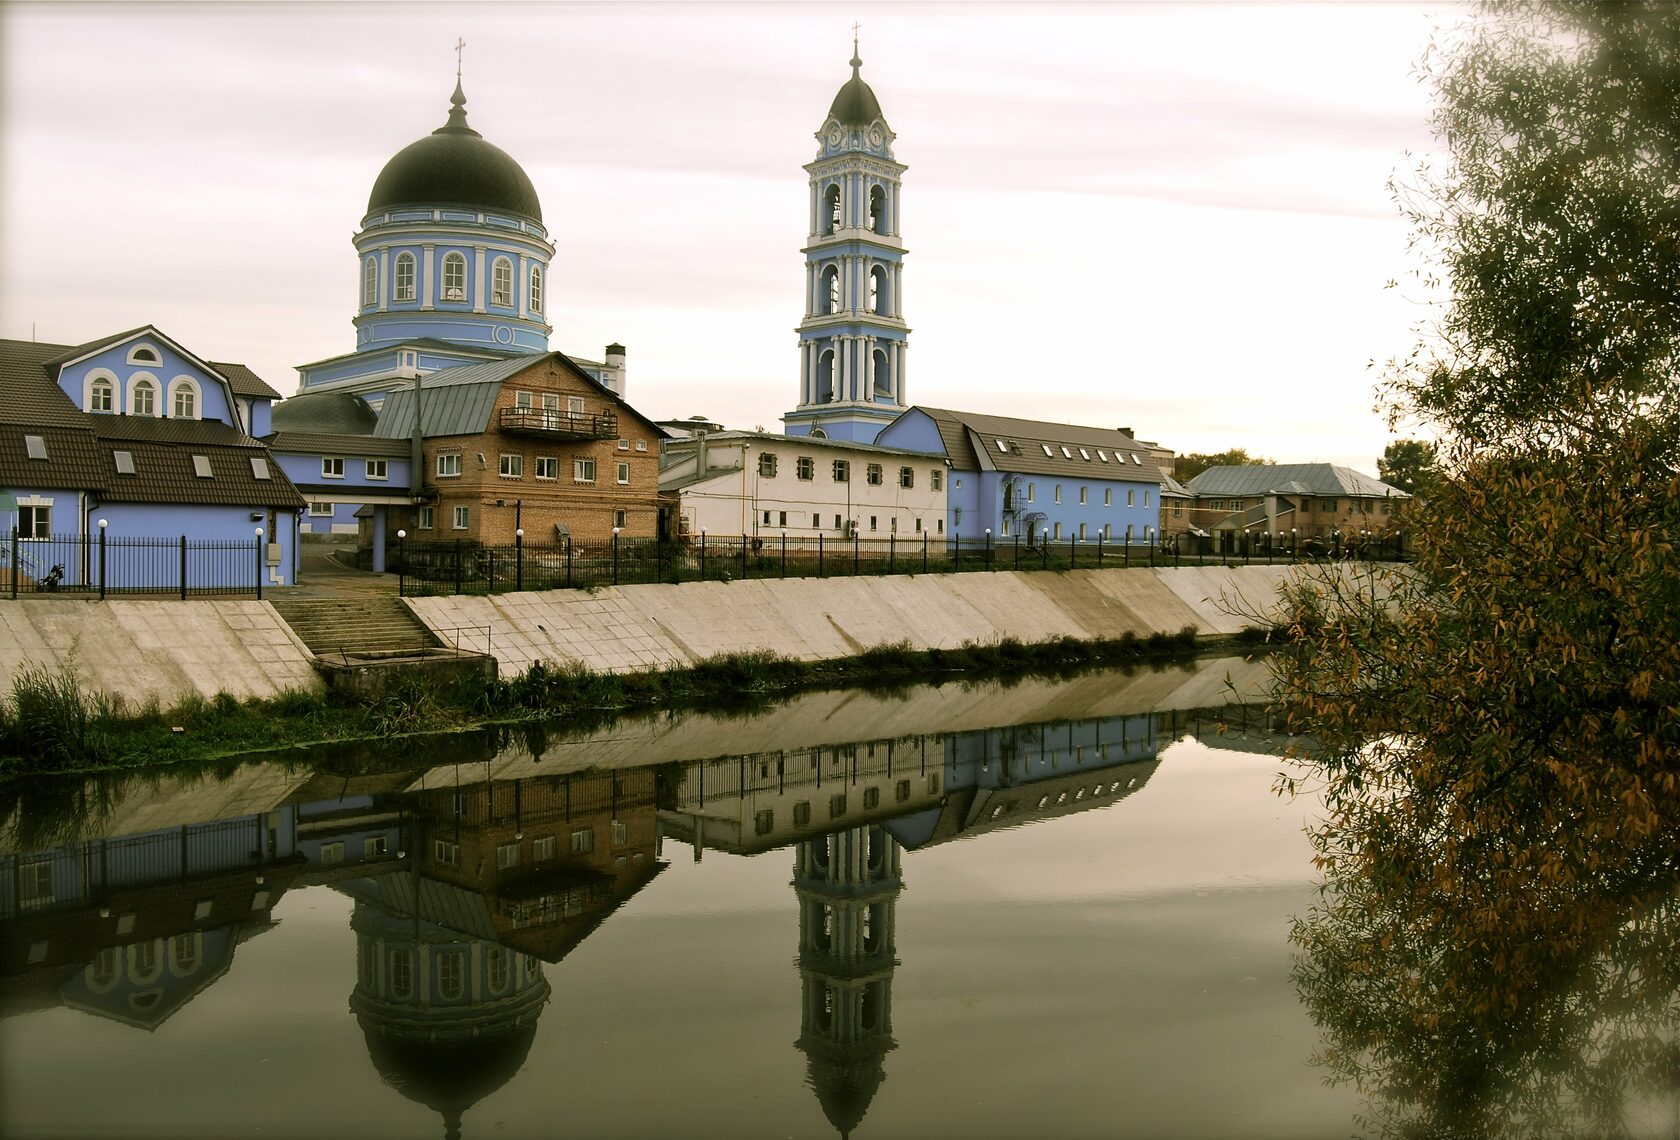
(164,472)
(28,392)
(317,443)
(73,459)
(245,382)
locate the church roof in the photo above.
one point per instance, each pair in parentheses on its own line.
(325,413)
(454,166)
(856,105)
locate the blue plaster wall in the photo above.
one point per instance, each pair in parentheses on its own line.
(215,401)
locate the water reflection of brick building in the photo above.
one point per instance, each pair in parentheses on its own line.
(847,884)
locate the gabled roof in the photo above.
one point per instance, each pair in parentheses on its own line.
(971,442)
(432,342)
(458,401)
(1291,479)
(244,382)
(152,332)
(29,394)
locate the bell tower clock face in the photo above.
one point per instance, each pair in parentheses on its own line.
(875,136)
(835,135)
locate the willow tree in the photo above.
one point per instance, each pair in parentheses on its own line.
(1500,747)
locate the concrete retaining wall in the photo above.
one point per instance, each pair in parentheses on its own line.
(631,628)
(161,649)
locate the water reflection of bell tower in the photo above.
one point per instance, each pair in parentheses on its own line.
(848,885)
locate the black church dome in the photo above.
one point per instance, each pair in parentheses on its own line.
(856,105)
(454,166)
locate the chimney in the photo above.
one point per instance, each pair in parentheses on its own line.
(1127,431)
(614,360)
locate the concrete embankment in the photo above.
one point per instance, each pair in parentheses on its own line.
(633,628)
(158,649)
(171,649)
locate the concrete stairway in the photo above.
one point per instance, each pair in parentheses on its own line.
(369,623)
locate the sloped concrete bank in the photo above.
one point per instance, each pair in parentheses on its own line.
(636,628)
(169,650)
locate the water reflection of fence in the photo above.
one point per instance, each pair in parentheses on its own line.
(103,564)
(464,567)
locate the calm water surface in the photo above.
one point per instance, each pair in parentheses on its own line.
(969,911)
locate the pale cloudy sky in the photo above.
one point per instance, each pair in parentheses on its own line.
(1167,216)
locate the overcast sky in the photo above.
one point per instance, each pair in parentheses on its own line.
(1171,217)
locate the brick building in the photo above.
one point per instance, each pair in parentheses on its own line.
(531,442)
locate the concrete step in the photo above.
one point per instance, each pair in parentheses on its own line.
(353,625)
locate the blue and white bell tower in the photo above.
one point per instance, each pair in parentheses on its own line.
(853,338)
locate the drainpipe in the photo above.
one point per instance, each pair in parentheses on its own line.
(416,472)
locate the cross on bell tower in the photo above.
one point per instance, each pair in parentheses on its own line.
(853,339)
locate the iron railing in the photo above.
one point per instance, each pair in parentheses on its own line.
(103,564)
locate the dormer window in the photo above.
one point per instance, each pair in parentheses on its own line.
(501,283)
(454,277)
(99,396)
(144,401)
(183,400)
(402,284)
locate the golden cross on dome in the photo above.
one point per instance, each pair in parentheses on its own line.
(459,44)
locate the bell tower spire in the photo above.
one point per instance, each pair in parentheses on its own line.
(853,338)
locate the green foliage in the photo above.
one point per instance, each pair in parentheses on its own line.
(1187,467)
(51,724)
(1408,464)
(1499,747)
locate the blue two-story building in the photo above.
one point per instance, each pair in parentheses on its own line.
(1036,481)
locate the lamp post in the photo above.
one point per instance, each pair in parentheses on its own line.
(402,564)
(615,556)
(1294,544)
(259,562)
(988,548)
(518,554)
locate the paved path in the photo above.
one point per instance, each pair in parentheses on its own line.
(320,575)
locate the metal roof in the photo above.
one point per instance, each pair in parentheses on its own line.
(1291,479)
(458,401)
(1038,447)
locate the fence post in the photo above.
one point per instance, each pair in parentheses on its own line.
(743,557)
(490,570)
(183,567)
(1073,552)
(457,566)
(1151,537)
(1099,550)
(956,561)
(15,566)
(784,554)
(259,562)
(519,559)
(102,562)
(702,556)
(568,561)
(855,540)
(819,556)
(1017,565)
(924,551)
(892,552)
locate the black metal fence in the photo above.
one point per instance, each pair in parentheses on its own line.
(462,567)
(101,564)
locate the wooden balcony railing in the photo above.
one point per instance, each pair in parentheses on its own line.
(555,424)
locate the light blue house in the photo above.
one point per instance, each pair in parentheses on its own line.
(136,432)
(1040,482)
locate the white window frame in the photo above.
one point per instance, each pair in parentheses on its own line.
(452,280)
(102,395)
(143,384)
(402,277)
(583,471)
(377,469)
(536,288)
(547,467)
(332,466)
(449,465)
(462,518)
(425,518)
(624,474)
(510,466)
(184,398)
(370,283)
(501,283)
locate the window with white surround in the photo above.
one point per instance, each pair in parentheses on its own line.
(144,400)
(34,521)
(452,974)
(906,476)
(507,855)
(454,277)
(583,471)
(332,467)
(936,479)
(144,354)
(1146,498)
(542,849)
(583,841)
(623,473)
(445,853)
(522,399)
(536,288)
(320,510)
(402,283)
(1058,497)
(548,467)
(641,445)
(99,396)
(1082,496)
(1129,497)
(1108,496)
(511,466)
(461,517)
(449,464)
(574,405)
(425,518)
(376,469)
(501,282)
(623,444)
(183,400)
(370,282)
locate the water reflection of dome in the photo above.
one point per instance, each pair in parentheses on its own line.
(448,1018)
(448,1077)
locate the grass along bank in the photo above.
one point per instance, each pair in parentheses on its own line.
(50,725)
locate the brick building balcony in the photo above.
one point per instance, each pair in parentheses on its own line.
(552,423)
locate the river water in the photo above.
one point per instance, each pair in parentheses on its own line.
(1050,908)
